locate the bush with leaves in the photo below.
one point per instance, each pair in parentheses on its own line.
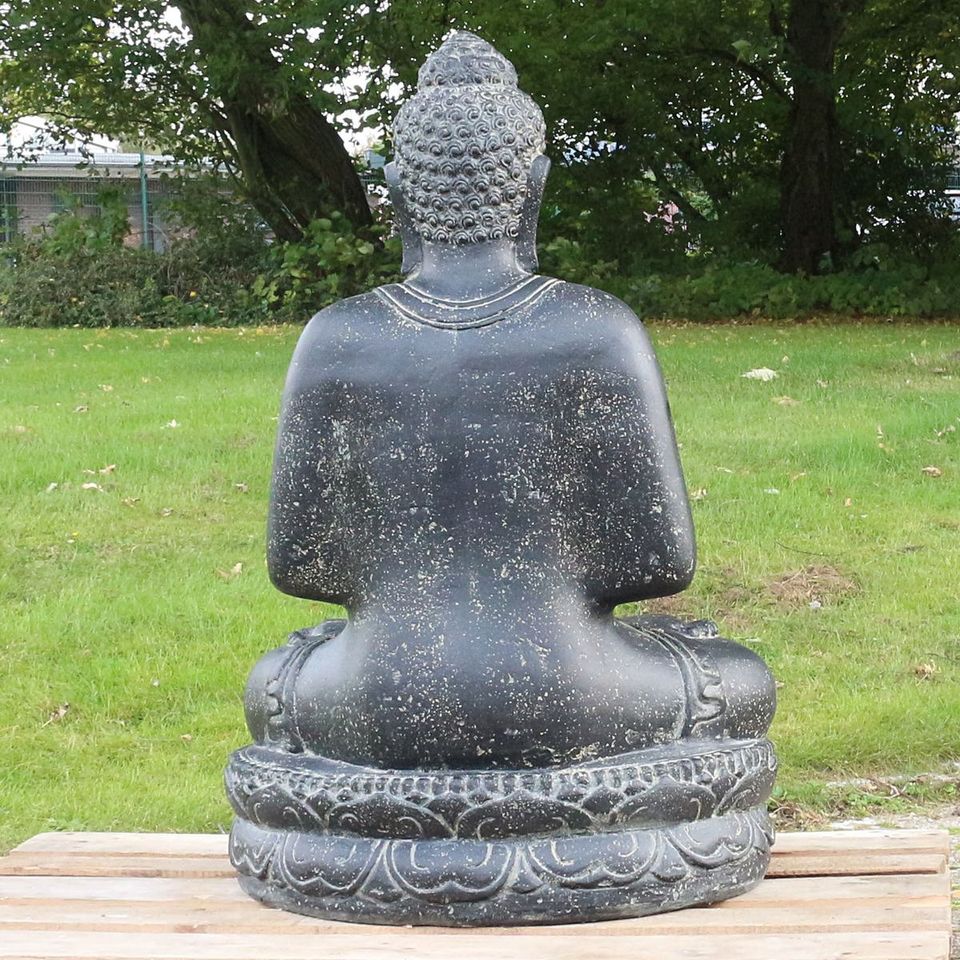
(878,287)
(330,263)
(220,268)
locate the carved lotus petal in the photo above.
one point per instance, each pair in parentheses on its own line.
(346,863)
(666,800)
(382,815)
(751,789)
(570,863)
(274,804)
(521,813)
(602,801)
(449,807)
(427,870)
(711,842)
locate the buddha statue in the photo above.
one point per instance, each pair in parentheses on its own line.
(478,465)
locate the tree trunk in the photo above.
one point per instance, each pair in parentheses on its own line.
(810,166)
(292,160)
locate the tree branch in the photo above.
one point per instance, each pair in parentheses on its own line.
(762,76)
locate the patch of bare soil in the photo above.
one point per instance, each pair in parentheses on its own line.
(817,585)
(675,606)
(729,607)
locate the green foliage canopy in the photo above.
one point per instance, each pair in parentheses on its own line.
(736,116)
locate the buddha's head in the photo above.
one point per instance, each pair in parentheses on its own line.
(469,163)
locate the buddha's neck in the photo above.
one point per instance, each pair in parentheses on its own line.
(467,271)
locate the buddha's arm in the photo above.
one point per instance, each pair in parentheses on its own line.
(305,555)
(637,534)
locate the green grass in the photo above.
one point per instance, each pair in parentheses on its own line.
(123,603)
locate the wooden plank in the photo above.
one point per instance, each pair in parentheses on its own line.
(25,889)
(127,844)
(795,855)
(854,861)
(215,844)
(29,864)
(120,888)
(576,943)
(818,916)
(931,841)
(859,853)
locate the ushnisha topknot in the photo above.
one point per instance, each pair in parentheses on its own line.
(464,144)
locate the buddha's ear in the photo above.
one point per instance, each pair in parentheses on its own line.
(412,249)
(530,214)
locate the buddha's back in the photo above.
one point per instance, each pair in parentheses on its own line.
(536,447)
(479,498)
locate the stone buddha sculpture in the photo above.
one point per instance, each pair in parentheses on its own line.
(478,464)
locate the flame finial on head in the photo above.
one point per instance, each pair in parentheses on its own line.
(465,143)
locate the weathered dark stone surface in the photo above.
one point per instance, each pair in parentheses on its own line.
(479,465)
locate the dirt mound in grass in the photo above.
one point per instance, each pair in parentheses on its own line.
(816,585)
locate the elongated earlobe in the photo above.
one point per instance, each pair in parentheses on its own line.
(530,214)
(412,248)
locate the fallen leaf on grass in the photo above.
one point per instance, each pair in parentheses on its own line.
(924,671)
(786,402)
(130,501)
(92,486)
(52,486)
(82,408)
(171,425)
(234,571)
(699,494)
(932,471)
(166,511)
(764,374)
(57,715)
(106,387)
(186,737)
(241,487)
(107,469)
(772,490)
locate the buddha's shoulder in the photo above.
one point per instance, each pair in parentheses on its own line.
(595,317)
(356,308)
(590,303)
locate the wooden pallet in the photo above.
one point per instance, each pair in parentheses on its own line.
(869,895)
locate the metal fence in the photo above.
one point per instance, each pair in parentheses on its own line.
(29,202)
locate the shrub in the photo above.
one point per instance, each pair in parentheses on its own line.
(722,291)
(221,271)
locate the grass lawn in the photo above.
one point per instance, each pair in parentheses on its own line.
(134,595)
